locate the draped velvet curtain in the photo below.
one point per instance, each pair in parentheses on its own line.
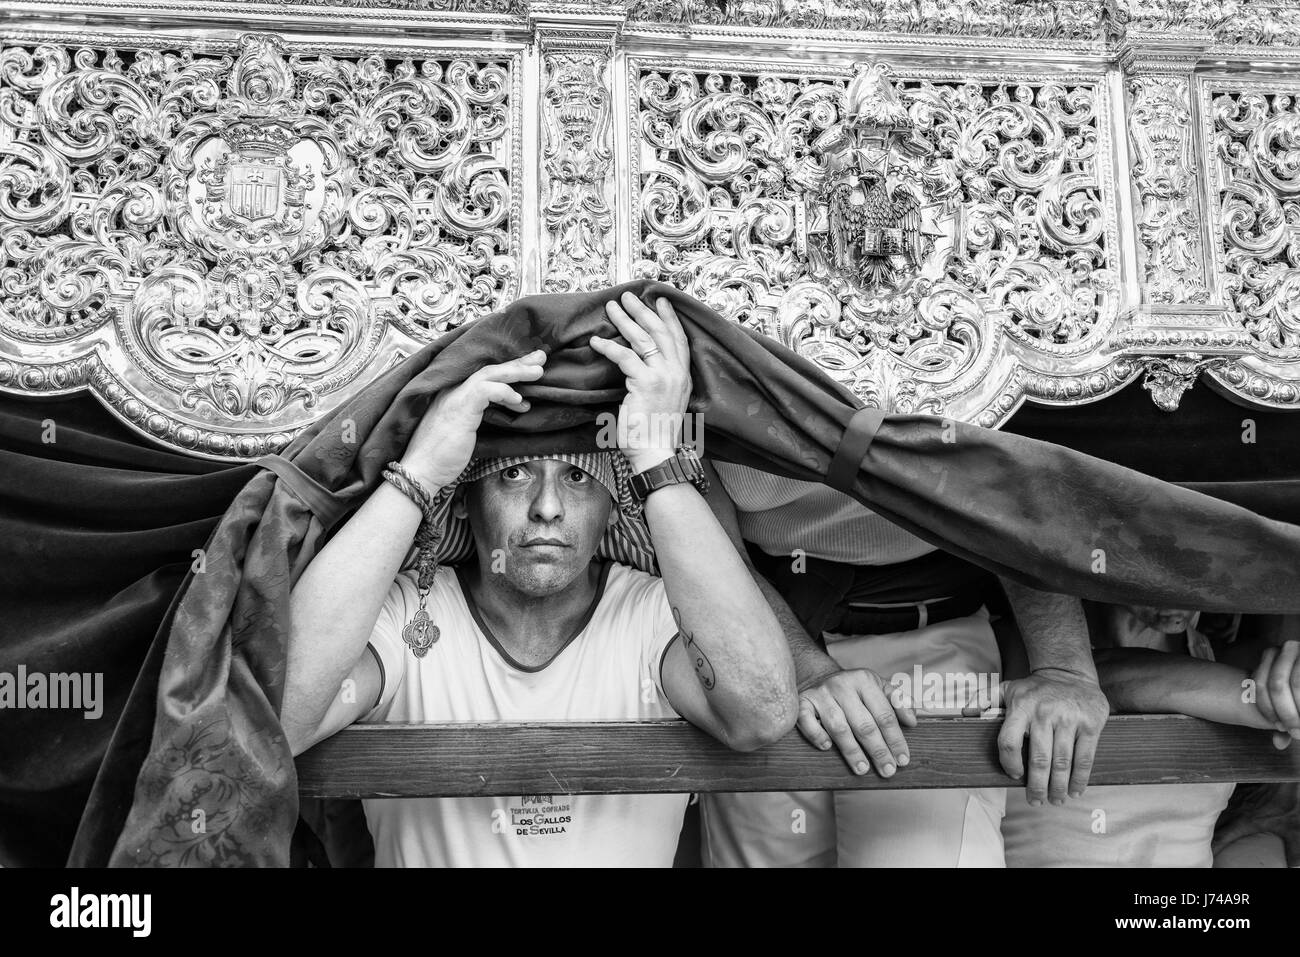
(98,529)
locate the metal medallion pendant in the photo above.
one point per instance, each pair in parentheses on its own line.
(420,633)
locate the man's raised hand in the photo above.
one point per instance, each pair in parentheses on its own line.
(443,443)
(658,370)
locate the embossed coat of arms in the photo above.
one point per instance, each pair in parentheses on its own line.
(871,224)
(254,190)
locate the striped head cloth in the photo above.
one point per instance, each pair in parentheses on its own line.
(626,541)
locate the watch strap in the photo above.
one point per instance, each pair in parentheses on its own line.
(673,471)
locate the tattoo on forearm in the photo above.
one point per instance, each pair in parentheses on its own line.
(699,660)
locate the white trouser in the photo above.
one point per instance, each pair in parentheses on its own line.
(958,827)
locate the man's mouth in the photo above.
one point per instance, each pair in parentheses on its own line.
(545,543)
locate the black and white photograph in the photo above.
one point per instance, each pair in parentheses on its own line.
(693,434)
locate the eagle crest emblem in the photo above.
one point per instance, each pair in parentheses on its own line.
(878,227)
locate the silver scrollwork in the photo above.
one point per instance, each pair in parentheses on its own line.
(1164,187)
(992,18)
(223,235)
(238,235)
(577,156)
(1257,152)
(1253,141)
(895,230)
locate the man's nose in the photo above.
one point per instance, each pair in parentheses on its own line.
(548,503)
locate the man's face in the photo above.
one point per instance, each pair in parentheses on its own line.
(1168,621)
(538,523)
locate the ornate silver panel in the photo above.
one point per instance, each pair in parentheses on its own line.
(577,160)
(1253,146)
(1168,219)
(1023,20)
(928,239)
(227,226)
(225,243)
(1232,23)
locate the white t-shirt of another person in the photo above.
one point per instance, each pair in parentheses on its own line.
(608,671)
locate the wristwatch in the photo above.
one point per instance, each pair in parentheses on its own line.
(683,467)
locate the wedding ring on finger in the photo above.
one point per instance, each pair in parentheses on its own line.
(652,352)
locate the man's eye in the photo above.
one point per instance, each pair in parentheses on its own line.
(578,475)
(512,474)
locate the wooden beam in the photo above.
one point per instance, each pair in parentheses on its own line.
(477,760)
